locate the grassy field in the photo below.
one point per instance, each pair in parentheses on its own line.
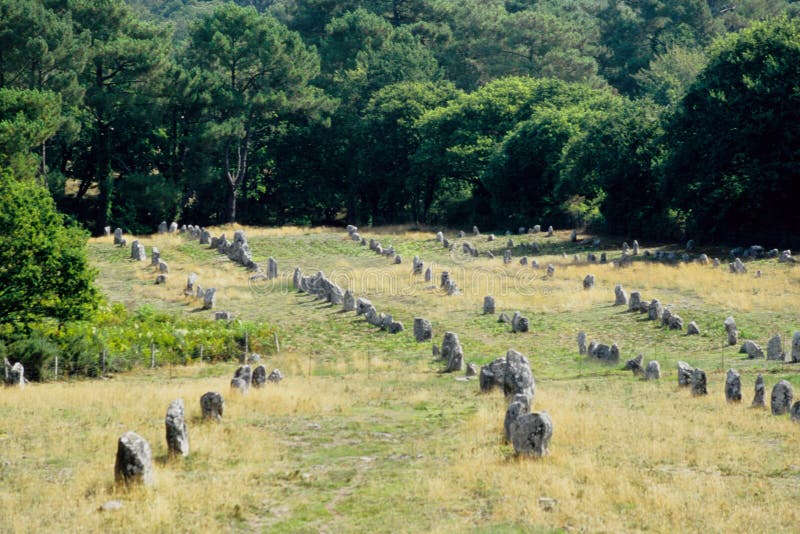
(365,433)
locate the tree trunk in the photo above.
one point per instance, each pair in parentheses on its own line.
(232,197)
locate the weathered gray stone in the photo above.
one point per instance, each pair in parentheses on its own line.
(488,305)
(162,227)
(209,298)
(795,412)
(506,256)
(163,267)
(272,268)
(760,392)
(275,376)
(205,237)
(503,318)
(551,270)
(428,274)
(223,316)
(730,328)
(655,310)
(155,256)
(520,405)
(137,251)
(702,259)
(452,352)
(517,376)
(635,365)
(581,343)
(348,301)
(362,305)
(573,236)
(796,347)
(519,323)
(692,329)
(493,375)
(752,349)
(242,378)
(685,374)
(666,316)
(14,374)
(675,322)
(531,434)
(653,370)
(550,231)
(699,383)
(588,281)
(259,376)
(733,386)
(161,279)
(173,227)
(398,260)
(620,298)
(439,237)
(177,434)
(423,330)
(118,236)
(785,257)
(613,353)
(134,462)
(635,301)
(782,395)
(212,405)
(737,267)
(444,279)
(395,327)
(472,370)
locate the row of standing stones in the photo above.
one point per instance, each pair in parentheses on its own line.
(134,459)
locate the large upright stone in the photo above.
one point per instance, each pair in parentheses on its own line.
(209,298)
(782,395)
(212,405)
(699,383)
(259,376)
(177,434)
(653,371)
(519,406)
(134,463)
(730,328)
(162,227)
(531,434)
(452,352)
(655,310)
(635,302)
(733,386)
(272,268)
(242,378)
(760,393)
(118,236)
(685,374)
(15,374)
(137,251)
(620,298)
(796,347)
(493,375)
(517,376)
(423,331)
(775,349)
(488,304)
(348,302)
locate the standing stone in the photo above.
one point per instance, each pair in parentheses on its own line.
(472,370)
(635,302)
(517,376)
(752,349)
(155,256)
(106,231)
(348,301)
(134,463)
(444,279)
(653,371)
(173,227)
(428,274)
(613,353)
(398,260)
(439,237)
(118,236)
(259,376)
(242,379)
(275,376)
(684,374)
(699,383)
(635,248)
(162,227)
(488,305)
(760,391)
(212,405)
(493,375)
(163,267)
(733,386)
(205,237)
(531,433)
(551,270)
(692,329)
(588,281)
(209,298)
(635,365)
(161,279)
(423,330)
(519,406)
(620,298)
(475,231)
(582,343)
(177,435)
(452,352)
(655,310)
(272,268)
(395,327)
(15,374)
(573,236)
(550,231)
(796,347)
(782,395)
(503,318)
(137,251)
(730,328)
(519,323)
(795,412)
(297,279)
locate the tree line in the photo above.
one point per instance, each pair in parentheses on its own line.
(642,117)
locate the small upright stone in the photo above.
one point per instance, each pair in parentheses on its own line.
(730,328)
(635,248)
(635,365)
(655,310)
(348,301)
(653,371)
(588,281)
(519,323)
(549,231)
(531,434)
(760,392)
(118,236)
(795,412)
(212,405)
(684,374)
(699,383)
(551,270)
(692,329)
(519,406)
(177,434)
(775,349)
(452,352)
(573,236)
(428,274)
(423,331)
(493,375)
(782,395)
(272,268)
(488,305)
(581,343)
(162,227)
(635,302)
(620,298)
(752,349)
(517,376)
(796,347)
(155,256)
(134,462)
(137,251)
(242,379)
(209,298)
(275,376)
(733,386)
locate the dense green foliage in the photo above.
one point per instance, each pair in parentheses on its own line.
(646,118)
